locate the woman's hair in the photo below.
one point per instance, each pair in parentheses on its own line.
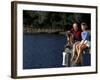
(84,24)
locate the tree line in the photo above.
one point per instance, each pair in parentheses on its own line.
(53,20)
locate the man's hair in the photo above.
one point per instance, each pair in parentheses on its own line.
(75,23)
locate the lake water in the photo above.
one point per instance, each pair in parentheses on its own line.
(42,50)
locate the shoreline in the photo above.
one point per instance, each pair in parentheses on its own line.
(43,31)
(58,33)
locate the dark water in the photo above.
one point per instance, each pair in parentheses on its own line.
(43,50)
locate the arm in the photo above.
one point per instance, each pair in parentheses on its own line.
(82,42)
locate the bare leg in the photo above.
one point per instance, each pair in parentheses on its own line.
(77,50)
(78,55)
(74,50)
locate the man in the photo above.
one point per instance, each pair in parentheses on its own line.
(73,38)
(73,35)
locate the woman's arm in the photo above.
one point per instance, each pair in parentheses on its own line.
(82,42)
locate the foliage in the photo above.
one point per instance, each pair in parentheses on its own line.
(53,20)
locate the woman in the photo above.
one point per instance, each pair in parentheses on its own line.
(85,43)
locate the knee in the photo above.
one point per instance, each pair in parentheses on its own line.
(77,46)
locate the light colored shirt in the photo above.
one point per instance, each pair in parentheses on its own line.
(85,38)
(85,35)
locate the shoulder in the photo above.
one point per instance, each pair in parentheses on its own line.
(81,32)
(89,32)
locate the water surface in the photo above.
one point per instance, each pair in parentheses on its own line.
(42,50)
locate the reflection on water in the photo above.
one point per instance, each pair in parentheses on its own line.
(42,50)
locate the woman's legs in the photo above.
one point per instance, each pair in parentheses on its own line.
(79,51)
(78,54)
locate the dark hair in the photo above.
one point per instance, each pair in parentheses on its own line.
(75,22)
(84,24)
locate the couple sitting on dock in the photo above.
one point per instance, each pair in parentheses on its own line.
(78,40)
